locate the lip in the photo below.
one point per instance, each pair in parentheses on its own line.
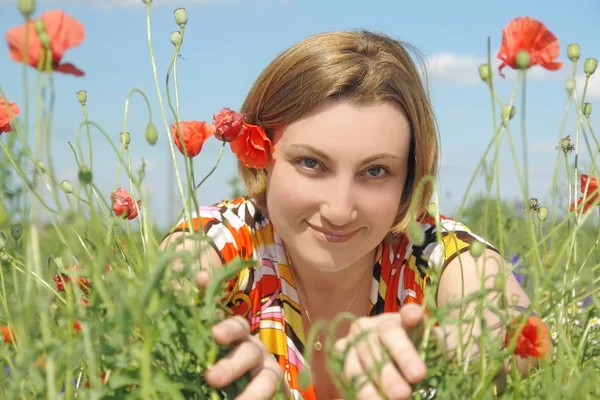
(331,236)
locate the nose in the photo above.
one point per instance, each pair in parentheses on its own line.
(338,207)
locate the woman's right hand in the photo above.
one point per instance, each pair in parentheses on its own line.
(248,355)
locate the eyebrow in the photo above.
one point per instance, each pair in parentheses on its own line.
(297,147)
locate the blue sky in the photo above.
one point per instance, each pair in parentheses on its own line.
(228,43)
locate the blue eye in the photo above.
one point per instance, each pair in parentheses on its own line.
(376,171)
(310,163)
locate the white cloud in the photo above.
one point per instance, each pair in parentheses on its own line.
(593,89)
(463,69)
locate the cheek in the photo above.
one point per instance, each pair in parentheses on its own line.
(288,194)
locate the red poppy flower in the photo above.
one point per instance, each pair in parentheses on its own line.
(62,279)
(123,204)
(76,327)
(228,124)
(533,340)
(194,134)
(64,32)
(592,193)
(6,108)
(9,334)
(525,33)
(252,147)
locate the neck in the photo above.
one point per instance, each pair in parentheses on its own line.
(335,289)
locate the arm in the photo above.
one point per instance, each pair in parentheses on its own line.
(464,275)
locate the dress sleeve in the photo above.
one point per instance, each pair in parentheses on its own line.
(456,238)
(226,226)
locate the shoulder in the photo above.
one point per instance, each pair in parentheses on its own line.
(443,241)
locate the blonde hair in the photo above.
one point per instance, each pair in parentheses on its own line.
(357,66)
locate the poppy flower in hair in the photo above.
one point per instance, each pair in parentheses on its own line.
(228,124)
(193,135)
(528,34)
(61,31)
(253,147)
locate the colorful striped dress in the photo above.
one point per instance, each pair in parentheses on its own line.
(266,294)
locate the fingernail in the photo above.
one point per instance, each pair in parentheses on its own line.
(416,371)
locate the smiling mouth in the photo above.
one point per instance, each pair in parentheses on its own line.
(333,237)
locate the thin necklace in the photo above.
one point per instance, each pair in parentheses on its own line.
(318,346)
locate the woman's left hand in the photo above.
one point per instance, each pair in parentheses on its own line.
(396,334)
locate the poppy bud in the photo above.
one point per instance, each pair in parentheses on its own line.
(570,85)
(508,112)
(180,17)
(16,230)
(573,52)
(82,97)
(40,167)
(85,175)
(542,213)
(432,209)
(590,65)
(523,59)
(485,72)
(151,134)
(176,38)
(44,39)
(39,26)
(67,187)
(26,7)
(4,256)
(146,1)
(476,249)
(415,233)
(125,139)
(587,109)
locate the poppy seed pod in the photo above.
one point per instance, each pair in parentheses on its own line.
(26,7)
(151,134)
(16,230)
(508,112)
(587,109)
(432,209)
(415,233)
(85,175)
(180,17)
(476,249)
(176,38)
(485,72)
(542,213)
(125,139)
(82,96)
(523,59)
(590,65)
(67,187)
(573,52)
(570,85)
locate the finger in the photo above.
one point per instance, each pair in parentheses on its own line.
(202,279)
(403,352)
(413,317)
(244,357)
(268,380)
(231,330)
(360,382)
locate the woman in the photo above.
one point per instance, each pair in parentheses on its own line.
(353,135)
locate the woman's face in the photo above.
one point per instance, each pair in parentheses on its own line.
(335,182)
